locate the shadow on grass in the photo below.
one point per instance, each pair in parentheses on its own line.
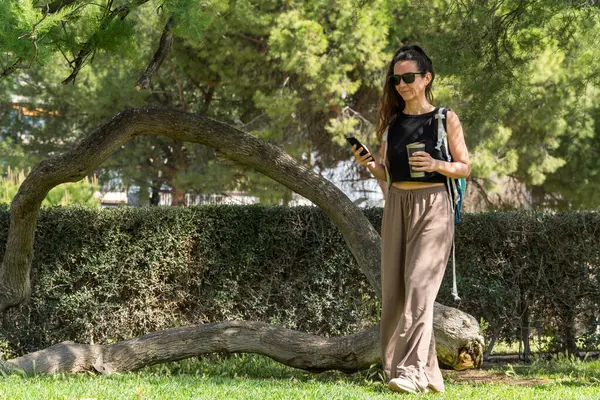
(261,367)
(252,366)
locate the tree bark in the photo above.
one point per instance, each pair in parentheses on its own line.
(461,340)
(296,349)
(166,41)
(490,347)
(458,341)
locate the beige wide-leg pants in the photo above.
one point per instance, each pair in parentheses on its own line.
(416,230)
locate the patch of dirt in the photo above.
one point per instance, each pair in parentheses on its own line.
(482,376)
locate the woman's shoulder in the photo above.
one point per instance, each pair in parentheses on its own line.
(451,116)
(447,110)
(452,121)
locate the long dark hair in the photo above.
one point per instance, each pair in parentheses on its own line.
(391,103)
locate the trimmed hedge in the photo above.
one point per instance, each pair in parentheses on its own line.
(106,275)
(532,271)
(112,274)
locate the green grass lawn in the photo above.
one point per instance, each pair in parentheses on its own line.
(257,377)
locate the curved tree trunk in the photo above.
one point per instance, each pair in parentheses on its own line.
(360,236)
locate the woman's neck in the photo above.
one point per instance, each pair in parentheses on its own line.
(415,107)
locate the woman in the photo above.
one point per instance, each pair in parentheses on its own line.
(418,222)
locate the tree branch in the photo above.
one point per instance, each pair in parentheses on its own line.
(33,36)
(259,44)
(9,70)
(293,348)
(57,5)
(89,47)
(482,193)
(166,41)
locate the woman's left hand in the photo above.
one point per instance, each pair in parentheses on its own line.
(422,161)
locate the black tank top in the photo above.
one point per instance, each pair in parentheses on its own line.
(406,129)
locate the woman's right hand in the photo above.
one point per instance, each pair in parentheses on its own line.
(364,160)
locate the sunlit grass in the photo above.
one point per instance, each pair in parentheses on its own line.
(256,377)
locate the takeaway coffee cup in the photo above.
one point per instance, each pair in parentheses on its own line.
(410,149)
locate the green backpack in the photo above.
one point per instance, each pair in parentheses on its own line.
(456,187)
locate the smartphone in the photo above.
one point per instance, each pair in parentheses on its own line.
(354,141)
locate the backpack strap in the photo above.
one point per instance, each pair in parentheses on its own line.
(442,136)
(388,177)
(442,144)
(440,116)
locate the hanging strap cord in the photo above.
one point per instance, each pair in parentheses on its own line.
(452,191)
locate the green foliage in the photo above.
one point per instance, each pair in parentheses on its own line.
(523,76)
(81,192)
(196,20)
(30,33)
(276,71)
(299,44)
(11,154)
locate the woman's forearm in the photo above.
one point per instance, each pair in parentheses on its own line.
(455,169)
(378,171)
(452,169)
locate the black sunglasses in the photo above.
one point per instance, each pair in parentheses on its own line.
(408,77)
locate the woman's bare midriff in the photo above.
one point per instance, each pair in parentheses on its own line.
(415,185)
